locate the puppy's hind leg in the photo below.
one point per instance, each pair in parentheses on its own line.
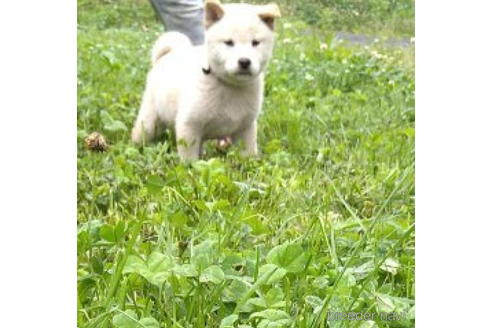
(144,129)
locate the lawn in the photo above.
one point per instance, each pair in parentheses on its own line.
(322,222)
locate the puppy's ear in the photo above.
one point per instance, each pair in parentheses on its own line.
(213,12)
(268,13)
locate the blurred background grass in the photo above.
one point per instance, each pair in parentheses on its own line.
(376,17)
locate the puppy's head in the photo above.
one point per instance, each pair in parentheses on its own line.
(239,39)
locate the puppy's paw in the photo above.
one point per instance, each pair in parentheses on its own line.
(137,135)
(223,144)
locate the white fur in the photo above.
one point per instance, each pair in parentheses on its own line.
(221,104)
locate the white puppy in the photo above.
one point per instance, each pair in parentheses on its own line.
(213,91)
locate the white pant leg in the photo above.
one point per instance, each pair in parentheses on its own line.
(185,16)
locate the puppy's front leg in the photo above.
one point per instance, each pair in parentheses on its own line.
(188,138)
(248,136)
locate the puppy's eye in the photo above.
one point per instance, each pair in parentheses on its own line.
(254,43)
(230,43)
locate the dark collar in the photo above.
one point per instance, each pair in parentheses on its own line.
(206,71)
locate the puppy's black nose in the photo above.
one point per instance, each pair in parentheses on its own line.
(244,63)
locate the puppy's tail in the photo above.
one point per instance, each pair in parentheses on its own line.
(167,42)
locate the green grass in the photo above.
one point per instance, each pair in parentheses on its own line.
(322,222)
(388,18)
